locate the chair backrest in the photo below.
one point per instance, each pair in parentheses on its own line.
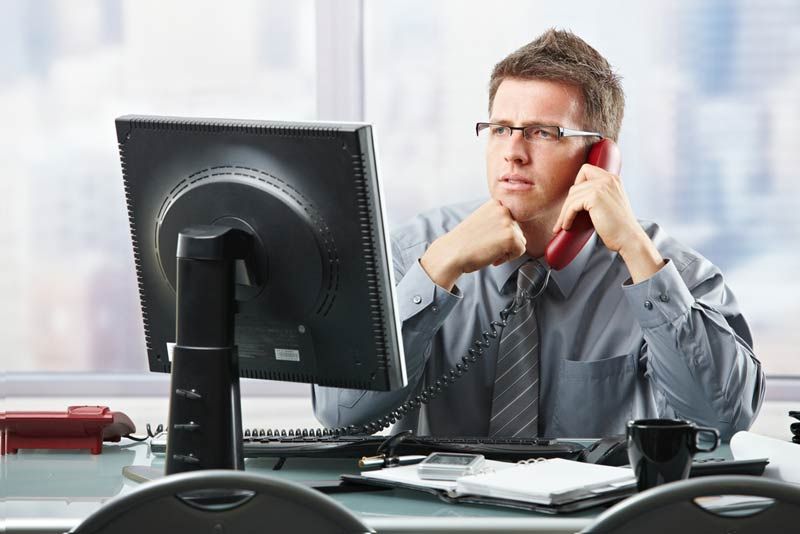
(671,508)
(224,502)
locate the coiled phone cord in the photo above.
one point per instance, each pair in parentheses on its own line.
(477,350)
(429,393)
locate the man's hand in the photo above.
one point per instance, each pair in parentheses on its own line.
(601,194)
(488,236)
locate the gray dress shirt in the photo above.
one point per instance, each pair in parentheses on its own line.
(675,345)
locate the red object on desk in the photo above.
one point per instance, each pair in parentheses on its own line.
(80,427)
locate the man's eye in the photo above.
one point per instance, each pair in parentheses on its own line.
(539,133)
(499,130)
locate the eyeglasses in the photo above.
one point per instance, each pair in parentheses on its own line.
(534,133)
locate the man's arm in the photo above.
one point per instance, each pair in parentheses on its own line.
(698,345)
(700,353)
(489,236)
(426,294)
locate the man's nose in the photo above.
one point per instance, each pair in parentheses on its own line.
(516,149)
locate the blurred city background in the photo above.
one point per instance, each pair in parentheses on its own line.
(709,140)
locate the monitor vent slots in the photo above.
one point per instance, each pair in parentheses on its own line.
(276,128)
(370,254)
(136,253)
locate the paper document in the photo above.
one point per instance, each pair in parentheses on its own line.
(784,456)
(552,481)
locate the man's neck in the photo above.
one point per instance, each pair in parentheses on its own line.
(538,234)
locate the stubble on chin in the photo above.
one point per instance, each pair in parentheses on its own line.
(523,208)
(532,218)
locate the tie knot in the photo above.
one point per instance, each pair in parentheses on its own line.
(531,276)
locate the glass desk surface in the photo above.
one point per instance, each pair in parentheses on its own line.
(52,491)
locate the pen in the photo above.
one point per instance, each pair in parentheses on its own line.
(377,462)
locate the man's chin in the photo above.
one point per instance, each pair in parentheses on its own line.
(522,210)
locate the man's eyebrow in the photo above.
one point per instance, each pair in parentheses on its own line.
(506,122)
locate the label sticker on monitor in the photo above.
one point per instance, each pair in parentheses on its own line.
(287,355)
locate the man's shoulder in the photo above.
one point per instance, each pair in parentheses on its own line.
(430,224)
(679,253)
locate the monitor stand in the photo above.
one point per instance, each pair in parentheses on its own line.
(205,417)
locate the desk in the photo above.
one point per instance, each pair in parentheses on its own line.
(52,491)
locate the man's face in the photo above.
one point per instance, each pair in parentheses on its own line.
(533,179)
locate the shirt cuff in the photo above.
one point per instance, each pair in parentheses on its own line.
(416,292)
(660,299)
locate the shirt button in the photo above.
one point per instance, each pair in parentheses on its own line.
(417,299)
(648,305)
(664,297)
(434,309)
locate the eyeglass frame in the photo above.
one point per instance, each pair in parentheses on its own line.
(562,132)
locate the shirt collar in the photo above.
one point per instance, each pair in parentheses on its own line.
(565,279)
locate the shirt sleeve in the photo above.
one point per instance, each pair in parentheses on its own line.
(698,347)
(423,307)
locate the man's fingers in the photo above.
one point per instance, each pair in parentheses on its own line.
(521,242)
(572,207)
(560,219)
(588,172)
(582,176)
(490,236)
(576,192)
(514,245)
(520,234)
(570,216)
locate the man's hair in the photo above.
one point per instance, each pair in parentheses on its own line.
(562,56)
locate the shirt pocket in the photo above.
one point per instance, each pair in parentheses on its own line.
(593,398)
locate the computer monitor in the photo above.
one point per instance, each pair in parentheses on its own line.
(284,254)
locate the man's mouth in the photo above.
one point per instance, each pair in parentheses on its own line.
(516,182)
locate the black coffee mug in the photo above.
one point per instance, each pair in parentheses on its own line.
(661,450)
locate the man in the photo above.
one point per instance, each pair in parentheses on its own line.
(637,325)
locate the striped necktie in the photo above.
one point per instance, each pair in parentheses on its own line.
(515,401)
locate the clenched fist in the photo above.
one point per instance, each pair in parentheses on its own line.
(489,236)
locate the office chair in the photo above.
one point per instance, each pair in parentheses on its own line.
(671,508)
(221,502)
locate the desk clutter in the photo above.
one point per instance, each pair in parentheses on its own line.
(607,451)
(553,485)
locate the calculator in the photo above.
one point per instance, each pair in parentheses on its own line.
(449,465)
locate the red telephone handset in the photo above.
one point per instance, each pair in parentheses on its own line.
(566,244)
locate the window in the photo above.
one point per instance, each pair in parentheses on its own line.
(708,141)
(67,279)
